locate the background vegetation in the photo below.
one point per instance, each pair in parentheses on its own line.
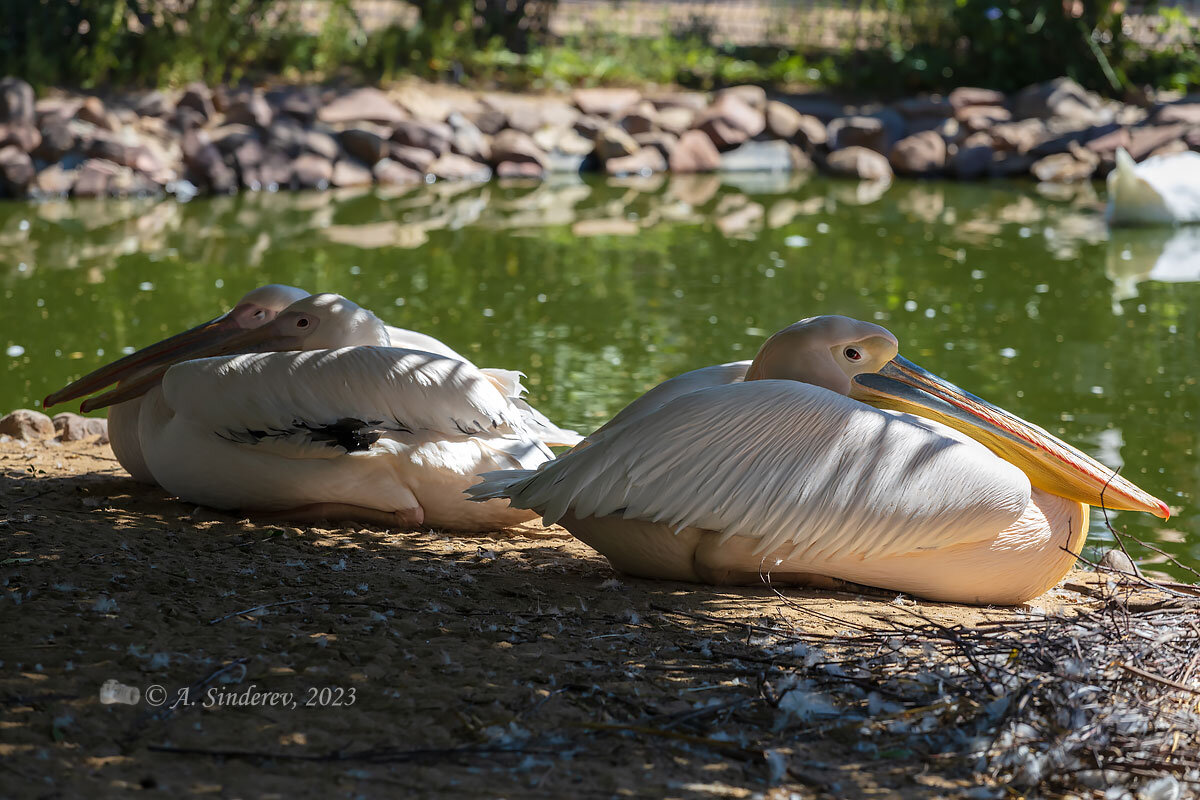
(916,45)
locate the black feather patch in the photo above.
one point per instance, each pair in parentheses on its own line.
(348,433)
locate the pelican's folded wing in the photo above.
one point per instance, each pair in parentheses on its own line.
(786,462)
(336,401)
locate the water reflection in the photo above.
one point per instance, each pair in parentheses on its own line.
(1169,255)
(600,289)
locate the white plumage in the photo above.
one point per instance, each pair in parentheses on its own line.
(782,475)
(375,427)
(1162,190)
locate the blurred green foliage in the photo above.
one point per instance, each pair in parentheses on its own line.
(939,44)
(910,45)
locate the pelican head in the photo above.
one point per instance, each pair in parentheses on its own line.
(256,308)
(862,360)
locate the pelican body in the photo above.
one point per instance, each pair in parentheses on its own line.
(1162,190)
(805,466)
(316,414)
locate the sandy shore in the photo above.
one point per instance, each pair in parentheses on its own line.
(507,664)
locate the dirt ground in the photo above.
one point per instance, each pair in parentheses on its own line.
(502,665)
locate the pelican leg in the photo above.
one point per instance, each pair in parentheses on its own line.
(405,518)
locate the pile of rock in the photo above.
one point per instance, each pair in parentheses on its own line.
(26,425)
(223,140)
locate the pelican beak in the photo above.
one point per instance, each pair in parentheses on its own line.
(1050,463)
(138,372)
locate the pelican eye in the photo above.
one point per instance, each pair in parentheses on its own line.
(302,323)
(852,353)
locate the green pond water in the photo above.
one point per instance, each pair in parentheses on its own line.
(598,290)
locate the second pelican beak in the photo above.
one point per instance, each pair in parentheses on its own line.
(154,361)
(1050,463)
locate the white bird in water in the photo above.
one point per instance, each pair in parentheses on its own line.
(369,431)
(806,471)
(1162,190)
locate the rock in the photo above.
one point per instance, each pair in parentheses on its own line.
(58,139)
(72,427)
(250,109)
(26,137)
(153,104)
(1062,168)
(661,140)
(367,142)
(729,121)
(858,131)
(275,171)
(118,152)
(520,170)
(321,143)
(55,110)
(783,121)
(489,120)
(920,154)
(1061,97)
(17,105)
(348,172)
(1118,561)
(981,118)
(288,135)
(436,137)
(965,96)
(198,97)
(974,157)
(645,161)
(362,105)
(753,96)
(421,105)
(588,126)
(26,425)
(1019,137)
(1170,148)
(1143,140)
(228,138)
(453,167)
(1193,140)
(54,181)
(693,101)
(412,157)
(1186,111)
(773,156)
(16,171)
(185,119)
(311,171)
(517,147)
(92,110)
(248,157)
(1059,138)
(205,166)
(695,152)
(613,142)
(676,119)
(393,173)
(859,162)
(639,118)
(467,139)
(1107,144)
(564,162)
(300,103)
(563,140)
(604,102)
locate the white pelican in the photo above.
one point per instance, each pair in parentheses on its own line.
(256,308)
(1163,190)
(347,428)
(790,473)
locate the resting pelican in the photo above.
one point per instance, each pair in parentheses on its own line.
(256,308)
(348,427)
(1163,190)
(805,471)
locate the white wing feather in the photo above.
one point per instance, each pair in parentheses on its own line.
(396,389)
(788,463)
